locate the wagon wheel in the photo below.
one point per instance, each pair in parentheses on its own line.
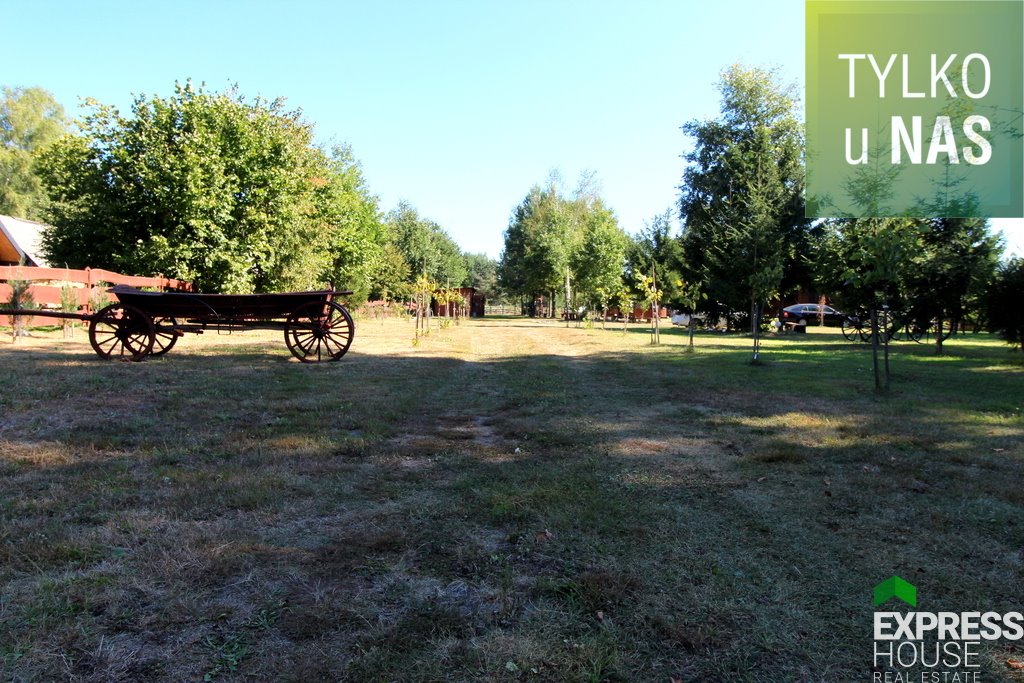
(853,329)
(319,331)
(122,331)
(900,333)
(925,333)
(889,326)
(166,334)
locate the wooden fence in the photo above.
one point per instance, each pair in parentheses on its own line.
(52,280)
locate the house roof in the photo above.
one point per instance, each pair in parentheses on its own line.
(21,239)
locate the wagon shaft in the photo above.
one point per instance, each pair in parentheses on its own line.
(44,313)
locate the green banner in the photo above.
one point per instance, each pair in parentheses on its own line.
(914,108)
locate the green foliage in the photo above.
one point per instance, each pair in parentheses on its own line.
(346,222)
(955,258)
(535,255)
(483,275)
(391,278)
(862,262)
(422,290)
(690,295)
(68,298)
(21,295)
(68,304)
(30,120)
(741,201)
(657,249)
(558,243)
(210,187)
(21,298)
(426,248)
(1004,302)
(597,263)
(650,295)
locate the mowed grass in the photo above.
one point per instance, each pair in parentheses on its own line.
(509,500)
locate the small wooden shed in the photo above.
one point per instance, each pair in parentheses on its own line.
(475,302)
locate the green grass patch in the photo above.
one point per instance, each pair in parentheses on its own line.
(509,500)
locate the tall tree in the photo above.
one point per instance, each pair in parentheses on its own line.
(742,192)
(391,278)
(483,275)
(862,264)
(597,264)
(536,256)
(956,254)
(753,229)
(347,224)
(30,120)
(657,249)
(209,187)
(426,247)
(860,260)
(562,245)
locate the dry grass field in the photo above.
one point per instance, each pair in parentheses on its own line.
(508,500)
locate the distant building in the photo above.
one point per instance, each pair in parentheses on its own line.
(21,240)
(474,304)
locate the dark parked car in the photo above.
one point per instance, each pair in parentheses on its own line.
(809,313)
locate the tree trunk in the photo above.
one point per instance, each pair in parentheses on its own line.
(938,335)
(691,330)
(657,320)
(568,297)
(885,346)
(874,348)
(755,318)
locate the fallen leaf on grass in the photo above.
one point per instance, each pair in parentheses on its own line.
(600,615)
(544,536)
(998,450)
(1015,664)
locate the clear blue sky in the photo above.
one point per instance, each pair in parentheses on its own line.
(456,106)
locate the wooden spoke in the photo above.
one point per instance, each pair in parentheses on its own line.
(121,331)
(319,331)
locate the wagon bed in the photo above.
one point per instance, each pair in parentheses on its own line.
(254,307)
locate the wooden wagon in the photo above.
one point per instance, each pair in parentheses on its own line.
(316,327)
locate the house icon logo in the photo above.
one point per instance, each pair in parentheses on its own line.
(895,587)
